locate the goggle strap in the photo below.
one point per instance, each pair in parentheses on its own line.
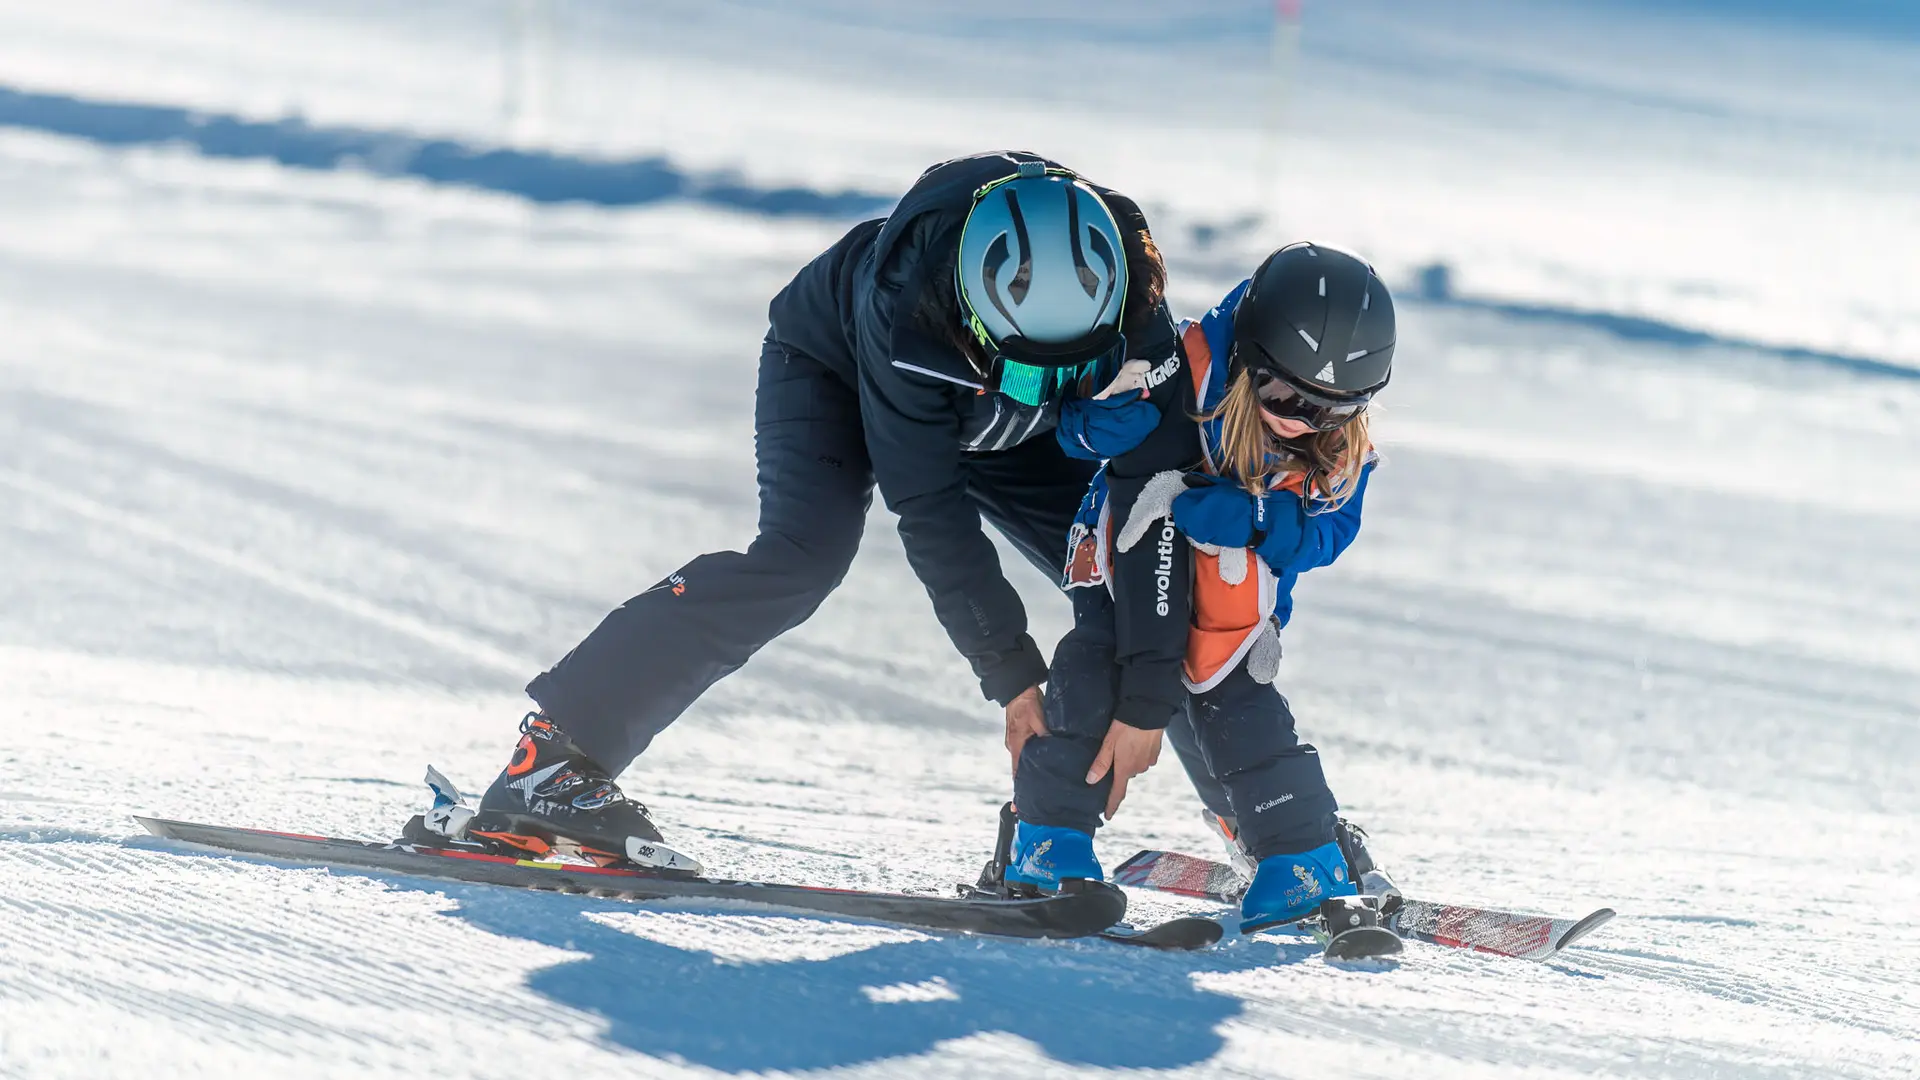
(1027,170)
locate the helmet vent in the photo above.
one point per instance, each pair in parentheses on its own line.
(1109,261)
(1089,281)
(997,258)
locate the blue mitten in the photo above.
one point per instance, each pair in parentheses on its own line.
(1286,530)
(1100,428)
(1217,510)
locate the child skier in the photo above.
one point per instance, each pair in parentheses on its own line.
(1281,373)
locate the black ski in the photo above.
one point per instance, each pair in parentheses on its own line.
(1183,934)
(1084,911)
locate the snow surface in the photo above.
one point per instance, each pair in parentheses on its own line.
(307,472)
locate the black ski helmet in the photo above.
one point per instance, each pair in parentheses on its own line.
(1318,319)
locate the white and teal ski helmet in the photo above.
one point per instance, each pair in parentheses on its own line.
(1042,273)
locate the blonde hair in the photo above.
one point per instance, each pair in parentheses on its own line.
(1250,453)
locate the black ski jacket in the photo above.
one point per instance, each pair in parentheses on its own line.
(854,309)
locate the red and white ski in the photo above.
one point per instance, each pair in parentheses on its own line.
(1503,933)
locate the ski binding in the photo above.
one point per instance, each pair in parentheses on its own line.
(449,821)
(1351,928)
(449,815)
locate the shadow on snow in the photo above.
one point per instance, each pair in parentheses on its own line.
(1083,1002)
(1434,284)
(545,177)
(1086,1003)
(535,175)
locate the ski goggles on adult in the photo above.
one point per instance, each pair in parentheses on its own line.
(1282,399)
(1038,379)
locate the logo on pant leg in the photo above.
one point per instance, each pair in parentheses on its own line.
(675,583)
(1163,571)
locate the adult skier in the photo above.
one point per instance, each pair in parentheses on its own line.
(927,353)
(1275,433)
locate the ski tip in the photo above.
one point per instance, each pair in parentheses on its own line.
(1584,927)
(1183,934)
(1210,934)
(154,826)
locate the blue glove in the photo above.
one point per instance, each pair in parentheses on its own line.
(1105,428)
(1217,510)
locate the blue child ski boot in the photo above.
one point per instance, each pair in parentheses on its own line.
(1046,855)
(1288,888)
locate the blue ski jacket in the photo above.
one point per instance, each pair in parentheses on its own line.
(1326,534)
(1152,623)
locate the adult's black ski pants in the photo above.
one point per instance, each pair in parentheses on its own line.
(653,656)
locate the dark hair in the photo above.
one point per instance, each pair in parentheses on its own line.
(938,313)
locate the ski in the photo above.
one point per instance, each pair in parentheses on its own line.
(1085,911)
(1174,935)
(1502,933)
(1182,875)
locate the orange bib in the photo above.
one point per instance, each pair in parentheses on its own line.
(1227,617)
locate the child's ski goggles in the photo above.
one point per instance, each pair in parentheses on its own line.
(1320,412)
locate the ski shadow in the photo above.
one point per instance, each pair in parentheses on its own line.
(1083,1002)
(1087,1003)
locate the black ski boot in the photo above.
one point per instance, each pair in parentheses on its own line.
(553,798)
